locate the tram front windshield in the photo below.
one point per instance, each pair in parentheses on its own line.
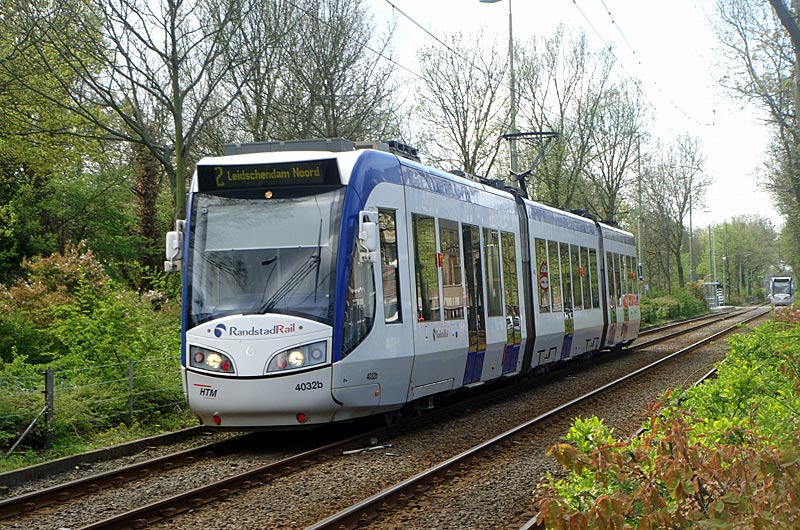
(256,256)
(781,287)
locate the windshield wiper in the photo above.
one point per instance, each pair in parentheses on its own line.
(319,256)
(297,277)
(291,283)
(264,263)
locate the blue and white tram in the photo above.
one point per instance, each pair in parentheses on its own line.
(781,290)
(325,285)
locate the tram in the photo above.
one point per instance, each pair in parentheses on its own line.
(781,290)
(326,280)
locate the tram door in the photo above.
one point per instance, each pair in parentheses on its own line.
(476,320)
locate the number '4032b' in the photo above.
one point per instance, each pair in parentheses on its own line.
(310,385)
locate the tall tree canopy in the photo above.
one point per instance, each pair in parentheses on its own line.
(462,106)
(762,44)
(140,72)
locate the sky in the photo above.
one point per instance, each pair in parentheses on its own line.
(670,46)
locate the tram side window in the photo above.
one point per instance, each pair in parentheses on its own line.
(473,276)
(542,276)
(452,280)
(359,313)
(510,286)
(626,260)
(586,281)
(618,277)
(566,276)
(494,291)
(577,275)
(612,276)
(594,278)
(389,267)
(426,273)
(555,275)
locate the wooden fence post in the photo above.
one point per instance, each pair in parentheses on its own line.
(130,393)
(49,402)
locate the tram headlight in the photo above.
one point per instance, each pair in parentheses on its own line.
(298,357)
(210,360)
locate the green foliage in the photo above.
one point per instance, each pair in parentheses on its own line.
(44,151)
(53,212)
(681,303)
(97,207)
(28,309)
(585,436)
(755,388)
(589,434)
(20,398)
(665,480)
(69,316)
(721,455)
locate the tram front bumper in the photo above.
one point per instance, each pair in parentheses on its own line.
(283,401)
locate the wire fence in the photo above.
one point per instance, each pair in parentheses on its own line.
(87,399)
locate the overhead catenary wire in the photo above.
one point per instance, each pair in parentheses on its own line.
(452,50)
(360,43)
(420,26)
(636,56)
(621,33)
(594,29)
(582,13)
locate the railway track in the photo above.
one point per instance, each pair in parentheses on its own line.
(675,329)
(283,470)
(118,477)
(387,500)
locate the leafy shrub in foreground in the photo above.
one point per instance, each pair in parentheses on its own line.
(724,455)
(69,316)
(664,480)
(757,387)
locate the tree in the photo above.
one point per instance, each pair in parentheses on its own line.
(561,86)
(140,72)
(762,42)
(35,151)
(146,185)
(461,106)
(751,249)
(332,78)
(616,133)
(671,189)
(264,38)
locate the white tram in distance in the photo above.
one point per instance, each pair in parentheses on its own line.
(781,290)
(325,282)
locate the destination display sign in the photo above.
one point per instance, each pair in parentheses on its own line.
(307,172)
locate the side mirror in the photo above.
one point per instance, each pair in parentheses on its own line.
(174,248)
(368,236)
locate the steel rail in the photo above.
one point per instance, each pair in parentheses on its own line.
(197,497)
(533,524)
(23,475)
(366,509)
(179,503)
(694,325)
(676,323)
(115,478)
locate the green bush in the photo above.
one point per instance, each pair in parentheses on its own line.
(664,479)
(69,316)
(21,400)
(681,304)
(756,387)
(720,455)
